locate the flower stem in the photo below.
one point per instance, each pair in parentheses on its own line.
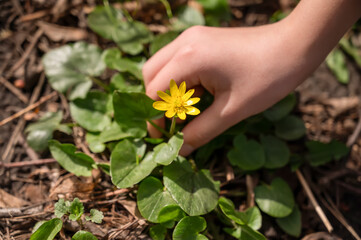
(168,8)
(100,84)
(159,129)
(172,127)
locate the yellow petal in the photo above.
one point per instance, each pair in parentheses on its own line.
(182,115)
(173,88)
(182,88)
(164,96)
(161,106)
(192,101)
(192,111)
(170,113)
(188,94)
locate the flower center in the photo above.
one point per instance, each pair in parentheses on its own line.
(179,104)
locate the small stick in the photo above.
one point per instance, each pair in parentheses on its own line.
(34,15)
(250,191)
(352,139)
(14,90)
(313,200)
(28,163)
(28,108)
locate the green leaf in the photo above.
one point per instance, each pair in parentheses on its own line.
(40,132)
(251,217)
(113,59)
(321,153)
(277,152)
(276,199)
(194,191)
(37,225)
(165,153)
(118,82)
(290,128)
(292,223)
(216,11)
(94,143)
(110,24)
(336,62)
(48,230)
(92,112)
(83,235)
(158,232)
(96,216)
(246,154)
(78,163)
(105,167)
(152,197)
(132,110)
(71,66)
(61,207)
(76,210)
(351,50)
(189,228)
(281,109)
(170,213)
(162,40)
(125,168)
(186,17)
(244,232)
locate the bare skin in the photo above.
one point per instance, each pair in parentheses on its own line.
(248,69)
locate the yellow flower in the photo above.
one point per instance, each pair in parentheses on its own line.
(179,103)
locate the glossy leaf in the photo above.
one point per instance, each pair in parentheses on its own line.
(170,213)
(92,112)
(321,153)
(83,235)
(281,109)
(189,228)
(165,153)
(243,232)
(246,154)
(292,223)
(276,150)
(336,62)
(152,198)
(290,128)
(126,169)
(105,167)
(94,143)
(131,110)
(48,230)
(162,40)
(194,191)
(40,132)
(78,163)
(70,67)
(276,199)
(251,217)
(158,232)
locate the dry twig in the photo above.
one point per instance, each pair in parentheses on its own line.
(14,90)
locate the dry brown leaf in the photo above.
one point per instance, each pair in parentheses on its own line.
(9,201)
(131,207)
(59,33)
(71,187)
(341,105)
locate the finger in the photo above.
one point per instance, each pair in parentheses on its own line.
(212,122)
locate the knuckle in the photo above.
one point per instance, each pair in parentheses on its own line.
(194,32)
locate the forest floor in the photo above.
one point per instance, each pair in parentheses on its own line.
(30,183)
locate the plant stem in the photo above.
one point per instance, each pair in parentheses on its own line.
(100,83)
(159,129)
(168,8)
(172,127)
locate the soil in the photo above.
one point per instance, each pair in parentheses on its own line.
(329,109)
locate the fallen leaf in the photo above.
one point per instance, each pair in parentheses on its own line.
(59,33)
(9,201)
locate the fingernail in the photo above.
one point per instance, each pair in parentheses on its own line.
(186,150)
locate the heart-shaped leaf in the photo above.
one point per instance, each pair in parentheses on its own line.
(48,230)
(276,199)
(161,40)
(152,198)
(292,223)
(92,112)
(170,213)
(251,217)
(118,82)
(189,228)
(126,169)
(83,235)
(281,109)
(94,143)
(277,152)
(243,232)
(132,110)
(78,163)
(71,67)
(114,60)
(40,132)
(290,128)
(246,154)
(165,153)
(194,191)
(321,153)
